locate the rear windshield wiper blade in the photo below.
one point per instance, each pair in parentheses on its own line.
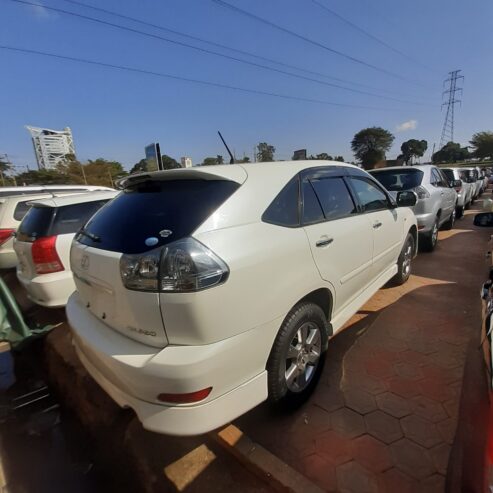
(92,236)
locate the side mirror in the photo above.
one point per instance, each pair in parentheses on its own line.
(407,198)
(484,220)
(455,184)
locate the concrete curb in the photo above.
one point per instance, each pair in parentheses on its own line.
(268,467)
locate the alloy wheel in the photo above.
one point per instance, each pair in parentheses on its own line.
(303,357)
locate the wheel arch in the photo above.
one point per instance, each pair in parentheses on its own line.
(323,298)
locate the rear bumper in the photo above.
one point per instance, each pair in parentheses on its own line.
(133,374)
(50,290)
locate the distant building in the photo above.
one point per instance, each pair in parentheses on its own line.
(51,146)
(186,162)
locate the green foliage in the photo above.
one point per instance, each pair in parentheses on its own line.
(209,161)
(370,145)
(139,167)
(44,177)
(413,148)
(451,153)
(265,152)
(482,143)
(323,156)
(169,162)
(219,159)
(245,159)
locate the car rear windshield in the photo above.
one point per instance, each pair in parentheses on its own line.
(396,180)
(49,221)
(155,213)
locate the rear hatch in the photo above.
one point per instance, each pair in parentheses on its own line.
(154,210)
(43,238)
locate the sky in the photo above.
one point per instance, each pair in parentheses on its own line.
(398,51)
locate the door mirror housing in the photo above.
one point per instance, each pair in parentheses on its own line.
(407,198)
(484,220)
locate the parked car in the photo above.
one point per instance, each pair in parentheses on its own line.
(202,292)
(464,190)
(43,240)
(37,189)
(475,178)
(12,211)
(437,200)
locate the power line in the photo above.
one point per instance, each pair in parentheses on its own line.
(366,33)
(219,45)
(187,79)
(309,40)
(204,50)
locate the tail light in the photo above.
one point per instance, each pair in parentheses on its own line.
(179,267)
(5,234)
(458,189)
(422,192)
(45,256)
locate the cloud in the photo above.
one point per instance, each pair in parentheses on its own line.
(41,12)
(409,125)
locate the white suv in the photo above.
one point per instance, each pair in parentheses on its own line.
(42,244)
(201,292)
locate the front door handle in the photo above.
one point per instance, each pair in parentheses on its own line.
(324,242)
(377,224)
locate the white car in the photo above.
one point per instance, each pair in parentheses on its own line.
(202,292)
(37,189)
(12,211)
(43,240)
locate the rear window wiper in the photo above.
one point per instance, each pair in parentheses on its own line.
(90,235)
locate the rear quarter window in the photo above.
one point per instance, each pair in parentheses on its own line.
(284,210)
(21,209)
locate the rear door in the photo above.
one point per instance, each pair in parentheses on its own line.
(384,220)
(340,238)
(139,223)
(449,194)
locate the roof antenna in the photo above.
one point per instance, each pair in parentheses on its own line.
(232,160)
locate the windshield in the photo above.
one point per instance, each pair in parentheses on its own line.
(155,213)
(396,180)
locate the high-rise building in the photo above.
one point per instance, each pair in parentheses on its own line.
(51,146)
(186,162)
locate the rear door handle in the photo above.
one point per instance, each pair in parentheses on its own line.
(324,242)
(377,224)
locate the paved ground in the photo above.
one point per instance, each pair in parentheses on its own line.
(384,414)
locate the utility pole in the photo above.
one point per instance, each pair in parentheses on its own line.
(450,94)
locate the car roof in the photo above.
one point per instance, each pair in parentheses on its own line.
(407,168)
(54,187)
(79,198)
(233,172)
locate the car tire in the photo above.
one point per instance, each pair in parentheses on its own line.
(296,358)
(451,220)
(404,261)
(460,211)
(429,241)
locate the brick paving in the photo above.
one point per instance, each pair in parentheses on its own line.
(384,414)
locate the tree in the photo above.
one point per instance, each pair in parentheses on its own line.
(451,152)
(139,167)
(482,143)
(169,163)
(244,159)
(209,161)
(413,148)
(219,159)
(339,158)
(44,177)
(370,145)
(265,152)
(323,157)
